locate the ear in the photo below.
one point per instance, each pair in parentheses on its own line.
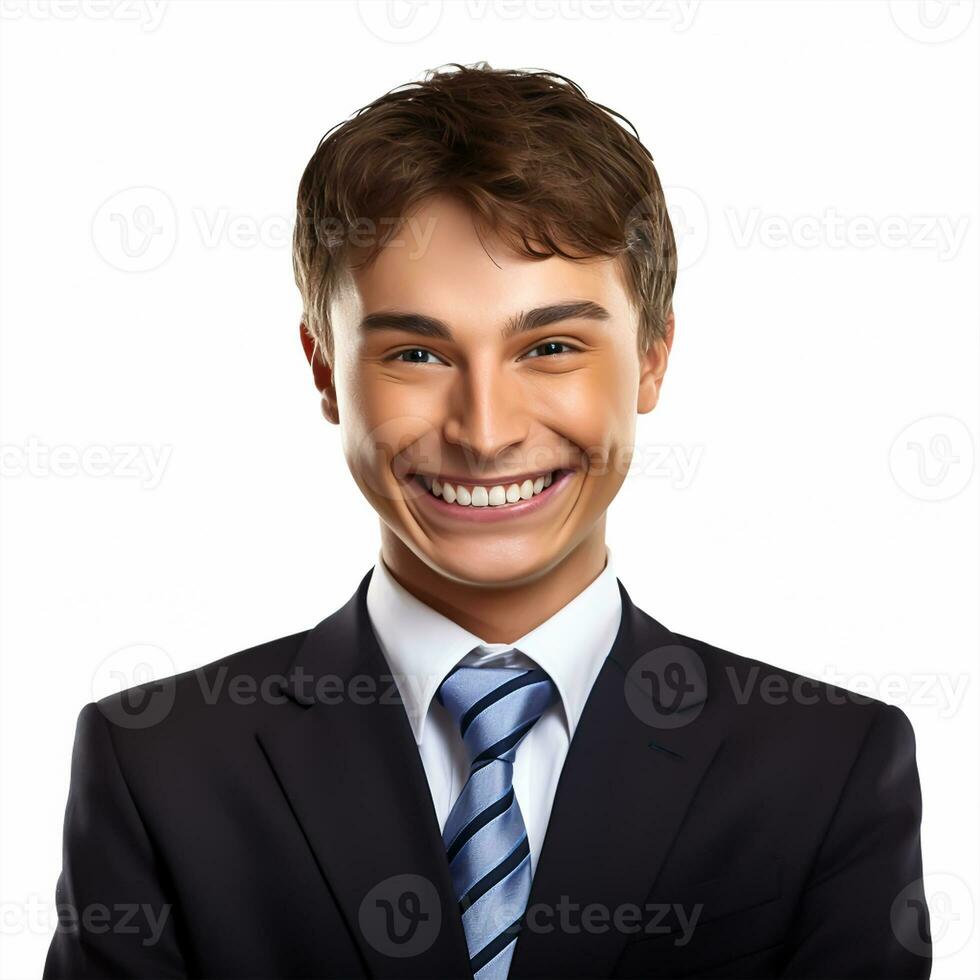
(653,367)
(322,375)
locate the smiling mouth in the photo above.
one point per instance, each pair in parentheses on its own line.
(493,495)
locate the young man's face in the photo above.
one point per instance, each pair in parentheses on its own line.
(469,405)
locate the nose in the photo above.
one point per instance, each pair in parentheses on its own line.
(489,414)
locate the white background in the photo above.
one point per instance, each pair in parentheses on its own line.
(804,494)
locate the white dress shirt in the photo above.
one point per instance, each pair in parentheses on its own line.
(422,646)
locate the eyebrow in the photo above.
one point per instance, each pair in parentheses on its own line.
(542,316)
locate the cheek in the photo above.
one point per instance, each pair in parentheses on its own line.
(383,424)
(366,409)
(370,433)
(595,410)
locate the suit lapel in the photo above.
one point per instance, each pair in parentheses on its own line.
(635,761)
(351,771)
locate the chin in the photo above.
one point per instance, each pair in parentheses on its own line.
(491,563)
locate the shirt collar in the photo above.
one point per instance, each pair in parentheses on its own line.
(422,645)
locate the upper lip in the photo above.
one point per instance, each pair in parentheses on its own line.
(500,481)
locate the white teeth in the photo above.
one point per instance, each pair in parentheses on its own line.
(487,496)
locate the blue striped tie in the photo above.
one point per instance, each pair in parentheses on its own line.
(485,837)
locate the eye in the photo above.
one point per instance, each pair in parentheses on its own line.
(399,356)
(550,344)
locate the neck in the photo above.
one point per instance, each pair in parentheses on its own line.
(498,613)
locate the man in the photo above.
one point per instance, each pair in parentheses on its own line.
(489,762)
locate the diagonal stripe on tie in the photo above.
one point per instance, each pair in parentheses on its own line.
(483,817)
(485,837)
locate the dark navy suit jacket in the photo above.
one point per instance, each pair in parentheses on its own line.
(268,816)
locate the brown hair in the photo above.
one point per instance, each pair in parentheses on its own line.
(535,159)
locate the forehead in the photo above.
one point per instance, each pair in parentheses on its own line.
(441,264)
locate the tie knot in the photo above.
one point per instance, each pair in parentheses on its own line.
(495,707)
